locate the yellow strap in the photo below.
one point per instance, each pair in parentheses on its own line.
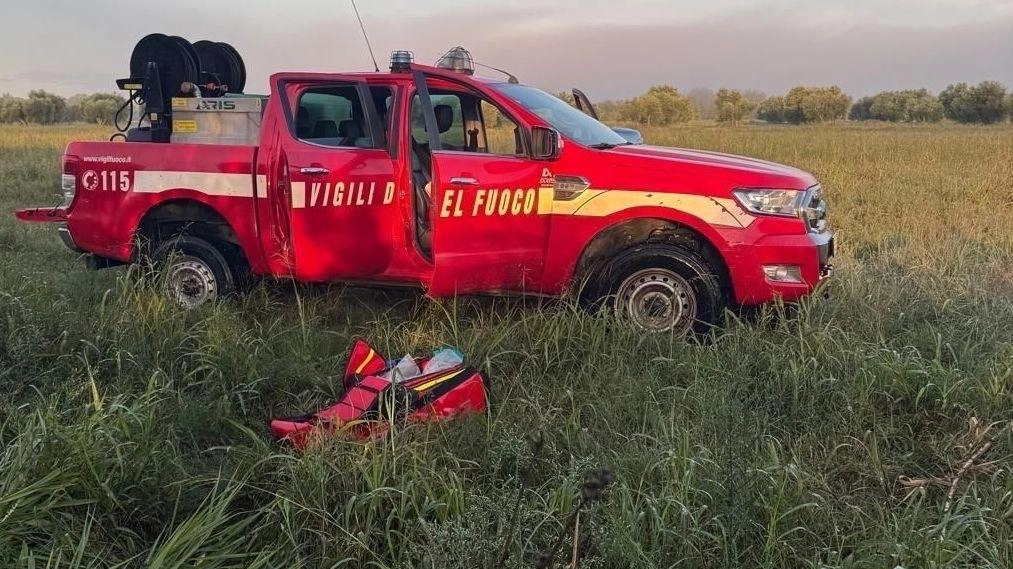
(369,357)
(429,384)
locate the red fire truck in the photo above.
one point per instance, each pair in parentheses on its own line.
(434,178)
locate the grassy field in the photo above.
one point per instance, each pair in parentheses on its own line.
(135,434)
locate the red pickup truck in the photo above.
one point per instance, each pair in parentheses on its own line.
(428,177)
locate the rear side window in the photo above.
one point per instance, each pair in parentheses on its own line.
(332,116)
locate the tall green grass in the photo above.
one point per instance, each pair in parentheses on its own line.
(133,434)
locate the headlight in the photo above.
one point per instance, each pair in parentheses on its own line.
(814,211)
(771,202)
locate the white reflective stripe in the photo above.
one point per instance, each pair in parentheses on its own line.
(261,187)
(210,183)
(298,194)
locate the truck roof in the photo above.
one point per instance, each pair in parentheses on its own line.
(390,76)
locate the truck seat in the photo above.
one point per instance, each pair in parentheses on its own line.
(325,129)
(350,130)
(302,123)
(445,120)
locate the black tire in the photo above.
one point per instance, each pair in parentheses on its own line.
(661,287)
(193,271)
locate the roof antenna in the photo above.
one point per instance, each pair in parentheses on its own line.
(363,28)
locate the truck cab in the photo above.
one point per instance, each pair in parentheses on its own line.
(433,178)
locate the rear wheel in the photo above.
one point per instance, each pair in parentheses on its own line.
(194,271)
(662,288)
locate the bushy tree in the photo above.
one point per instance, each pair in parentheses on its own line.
(861,110)
(1009,106)
(889,106)
(72,110)
(912,105)
(956,101)
(100,107)
(43,108)
(923,106)
(11,109)
(816,104)
(660,105)
(772,109)
(732,106)
(983,103)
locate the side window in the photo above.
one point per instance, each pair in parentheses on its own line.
(468,123)
(502,135)
(450,121)
(332,116)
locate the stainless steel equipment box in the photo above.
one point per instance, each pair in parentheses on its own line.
(220,120)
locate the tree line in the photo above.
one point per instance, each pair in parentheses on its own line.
(985,103)
(40,107)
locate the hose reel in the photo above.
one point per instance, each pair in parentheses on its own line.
(163,67)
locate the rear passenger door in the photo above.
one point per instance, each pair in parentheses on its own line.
(340,180)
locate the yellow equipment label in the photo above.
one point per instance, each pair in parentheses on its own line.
(184,126)
(178,102)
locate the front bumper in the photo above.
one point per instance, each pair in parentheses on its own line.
(826,252)
(813,253)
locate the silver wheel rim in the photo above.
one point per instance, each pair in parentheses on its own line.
(190,282)
(656,300)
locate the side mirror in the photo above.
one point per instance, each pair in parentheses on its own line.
(631,135)
(545,143)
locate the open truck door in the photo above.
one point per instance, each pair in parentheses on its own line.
(487,234)
(583,104)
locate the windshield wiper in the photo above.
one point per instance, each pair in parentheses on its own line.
(602,146)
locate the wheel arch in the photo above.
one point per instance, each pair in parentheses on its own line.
(176,216)
(631,231)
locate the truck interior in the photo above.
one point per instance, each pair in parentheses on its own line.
(333,116)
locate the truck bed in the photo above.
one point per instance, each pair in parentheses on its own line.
(118,183)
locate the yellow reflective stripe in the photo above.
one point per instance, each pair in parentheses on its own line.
(369,357)
(572,207)
(429,384)
(601,203)
(545,200)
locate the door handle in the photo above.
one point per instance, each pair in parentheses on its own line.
(314,171)
(463,181)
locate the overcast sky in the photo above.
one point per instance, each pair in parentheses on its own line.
(610,48)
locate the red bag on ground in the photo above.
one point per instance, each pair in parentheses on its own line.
(370,402)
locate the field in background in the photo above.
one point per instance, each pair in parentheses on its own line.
(133,432)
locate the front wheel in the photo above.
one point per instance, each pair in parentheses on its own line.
(194,271)
(662,288)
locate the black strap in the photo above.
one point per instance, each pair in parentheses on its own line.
(419,185)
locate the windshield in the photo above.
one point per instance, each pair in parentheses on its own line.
(570,122)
